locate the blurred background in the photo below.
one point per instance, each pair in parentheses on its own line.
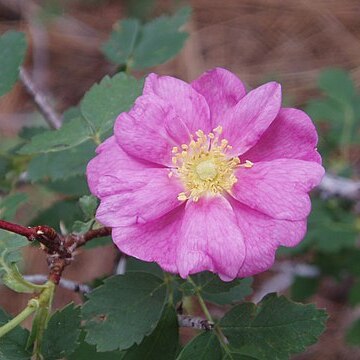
(311,46)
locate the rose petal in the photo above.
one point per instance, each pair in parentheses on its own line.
(152,241)
(111,159)
(141,132)
(291,135)
(244,123)
(137,197)
(210,239)
(222,90)
(189,105)
(278,188)
(262,236)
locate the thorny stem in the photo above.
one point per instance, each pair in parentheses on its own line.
(18,319)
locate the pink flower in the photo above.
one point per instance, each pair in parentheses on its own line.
(203,176)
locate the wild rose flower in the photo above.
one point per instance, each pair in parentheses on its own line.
(203,176)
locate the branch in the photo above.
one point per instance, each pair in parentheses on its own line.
(50,115)
(60,248)
(65,283)
(195,322)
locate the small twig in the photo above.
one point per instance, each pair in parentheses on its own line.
(195,322)
(60,248)
(65,283)
(50,115)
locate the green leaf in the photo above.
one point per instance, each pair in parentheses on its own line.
(353,334)
(71,134)
(12,53)
(88,205)
(337,84)
(303,287)
(162,343)
(273,329)
(205,346)
(74,186)
(161,40)
(62,332)
(64,211)
(94,243)
(106,100)
(86,351)
(354,295)
(9,205)
(62,164)
(140,46)
(123,310)
(13,344)
(217,291)
(133,264)
(119,48)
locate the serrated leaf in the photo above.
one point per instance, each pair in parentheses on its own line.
(337,84)
(123,310)
(205,346)
(9,205)
(71,134)
(217,291)
(12,53)
(86,351)
(106,100)
(161,40)
(94,243)
(154,43)
(273,329)
(353,334)
(61,164)
(13,344)
(119,48)
(62,332)
(162,343)
(88,205)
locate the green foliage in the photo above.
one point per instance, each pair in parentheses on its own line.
(61,164)
(64,211)
(205,346)
(86,351)
(304,287)
(13,344)
(217,291)
(354,295)
(88,205)
(337,113)
(99,108)
(273,329)
(162,343)
(123,310)
(12,53)
(140,46)
(9,205)
(106,100)
(61,335)
(353,334)
(332,226)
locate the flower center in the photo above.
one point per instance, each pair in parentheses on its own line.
(204,166)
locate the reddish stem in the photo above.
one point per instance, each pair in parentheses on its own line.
(30,233)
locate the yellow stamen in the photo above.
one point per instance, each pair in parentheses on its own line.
(204,167)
